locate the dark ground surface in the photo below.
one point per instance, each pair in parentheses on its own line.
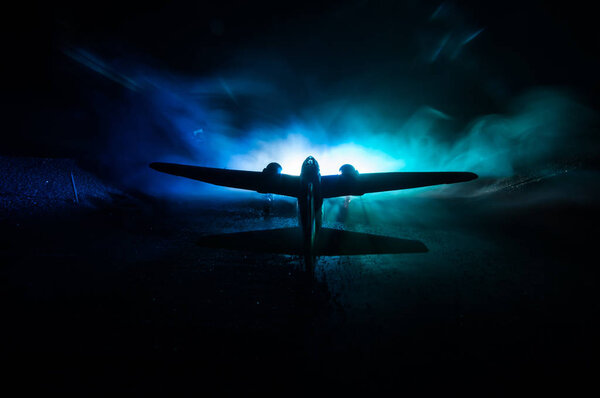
(116,295)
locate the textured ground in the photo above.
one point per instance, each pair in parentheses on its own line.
(117,294)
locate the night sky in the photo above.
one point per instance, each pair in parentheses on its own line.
(120,85)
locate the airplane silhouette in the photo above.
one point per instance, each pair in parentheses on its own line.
(310,188)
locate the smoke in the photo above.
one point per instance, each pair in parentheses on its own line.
(244,120)
(543,125)
(410,92)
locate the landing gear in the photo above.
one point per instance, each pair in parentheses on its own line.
(309,264)
(268,205)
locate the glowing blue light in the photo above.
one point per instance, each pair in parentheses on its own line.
(471,37)
(164,118)
(291,151)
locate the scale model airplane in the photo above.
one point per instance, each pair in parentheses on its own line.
(310,188)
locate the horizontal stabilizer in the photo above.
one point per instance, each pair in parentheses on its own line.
(330,242)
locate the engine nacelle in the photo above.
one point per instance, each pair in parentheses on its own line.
(348,170)
(272,168)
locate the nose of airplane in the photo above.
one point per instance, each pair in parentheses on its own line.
(310,166)
(310,162)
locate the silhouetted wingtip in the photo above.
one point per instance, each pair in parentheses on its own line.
(420,247)
(158,166)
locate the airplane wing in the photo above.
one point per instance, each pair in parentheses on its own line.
(359,184)
(280,184)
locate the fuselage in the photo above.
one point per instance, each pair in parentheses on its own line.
(310,207)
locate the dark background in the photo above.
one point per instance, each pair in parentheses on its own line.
(365,52)
(113,293)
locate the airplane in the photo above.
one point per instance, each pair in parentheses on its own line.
(310,188)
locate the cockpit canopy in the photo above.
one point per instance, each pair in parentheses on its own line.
(310,165)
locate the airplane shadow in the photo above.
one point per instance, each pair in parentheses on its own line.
(330,242)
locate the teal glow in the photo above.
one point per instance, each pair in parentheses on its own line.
(254,123)
(537,129)
(291,151)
